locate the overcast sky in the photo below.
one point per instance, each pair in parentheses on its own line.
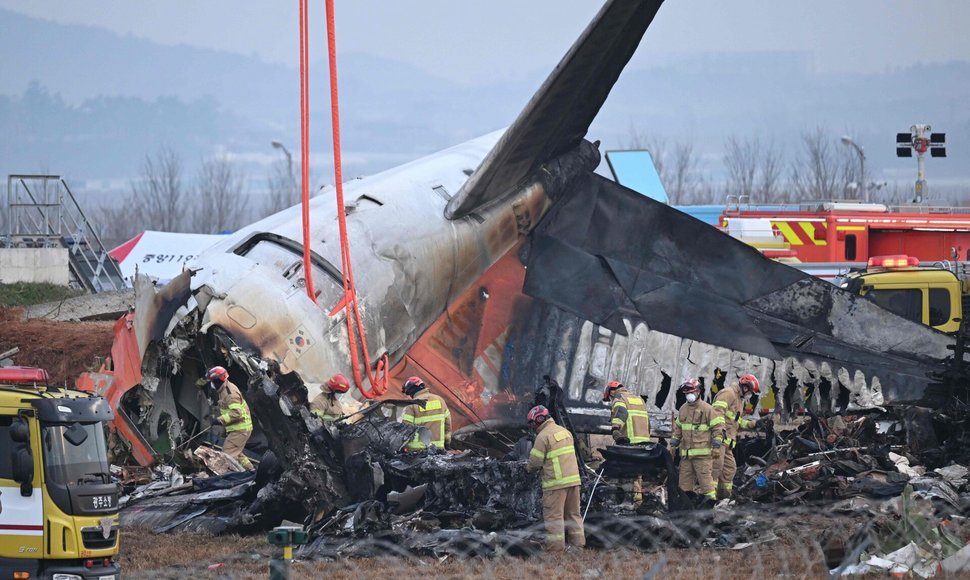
(464,40)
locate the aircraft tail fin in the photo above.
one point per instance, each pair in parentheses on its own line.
(558,116)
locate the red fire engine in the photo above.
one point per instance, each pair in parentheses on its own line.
(854,232)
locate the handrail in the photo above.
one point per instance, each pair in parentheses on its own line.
(733,204)
(89,259)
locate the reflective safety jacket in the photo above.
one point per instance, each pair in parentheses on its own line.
(729,403)
(555,454)
(629,417)
(326,406)
(233,410)
(695,426)
(435,416)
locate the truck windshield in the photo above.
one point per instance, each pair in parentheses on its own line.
(65,463)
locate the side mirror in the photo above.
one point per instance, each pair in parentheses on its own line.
(23,470)
(19,431)
(22,458)
(75,434)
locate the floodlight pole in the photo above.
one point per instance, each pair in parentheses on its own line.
(920,144)
(289,165)
(863,190)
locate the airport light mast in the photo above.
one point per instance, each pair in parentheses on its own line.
(863,194)
(917,140)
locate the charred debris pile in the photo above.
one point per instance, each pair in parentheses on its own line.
(358,495)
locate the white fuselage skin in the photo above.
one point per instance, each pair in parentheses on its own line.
(409,263)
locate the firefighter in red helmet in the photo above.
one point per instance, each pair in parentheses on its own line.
(729,404)
(325,405)
(555,455)
(630,423)
(434,415)
(697,431)
(233,415)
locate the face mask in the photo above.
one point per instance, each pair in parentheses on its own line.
(691,397)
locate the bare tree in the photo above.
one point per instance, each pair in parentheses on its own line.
(741,158)
(677,164)
(771,166)
(219,197)
(820,172)
(655,145)
(282,189)
(118,222)
(684,183)
(158,192)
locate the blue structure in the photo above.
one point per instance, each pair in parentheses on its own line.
(634,168)
(709,214)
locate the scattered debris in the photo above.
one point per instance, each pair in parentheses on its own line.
(958,562)
(216,461)
(106,306)
(6,357)
(465,504)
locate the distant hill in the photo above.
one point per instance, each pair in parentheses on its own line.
(90,104)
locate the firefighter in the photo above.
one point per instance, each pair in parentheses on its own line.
(696,431)
(233,415)
(555,454)
(435,415)
(729,404)
(325,405)
(630,424)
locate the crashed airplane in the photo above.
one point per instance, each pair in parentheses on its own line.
(486,266)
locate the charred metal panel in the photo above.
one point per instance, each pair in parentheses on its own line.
(156,307)
(608,254)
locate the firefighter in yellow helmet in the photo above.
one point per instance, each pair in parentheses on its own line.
(697,431)
(325,405)
(234,415)
(729,404)
(630,424)
(435,415)
(555,454)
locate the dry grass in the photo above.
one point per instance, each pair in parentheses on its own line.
(147,555)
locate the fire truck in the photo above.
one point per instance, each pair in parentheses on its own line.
(935,295)
(839,232)
(58,503)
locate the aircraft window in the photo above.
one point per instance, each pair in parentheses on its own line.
(906,303)
(289,264)
(939,306)
(850,247)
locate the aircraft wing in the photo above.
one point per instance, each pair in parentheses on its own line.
(606,253)
(557,117)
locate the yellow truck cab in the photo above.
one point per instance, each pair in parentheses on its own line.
(58,503)
(930,295)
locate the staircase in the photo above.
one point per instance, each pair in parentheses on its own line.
(43,213)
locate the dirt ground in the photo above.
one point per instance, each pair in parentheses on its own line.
(65,349)
(147,555)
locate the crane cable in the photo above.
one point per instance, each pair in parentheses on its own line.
(355,326)
(305,150)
